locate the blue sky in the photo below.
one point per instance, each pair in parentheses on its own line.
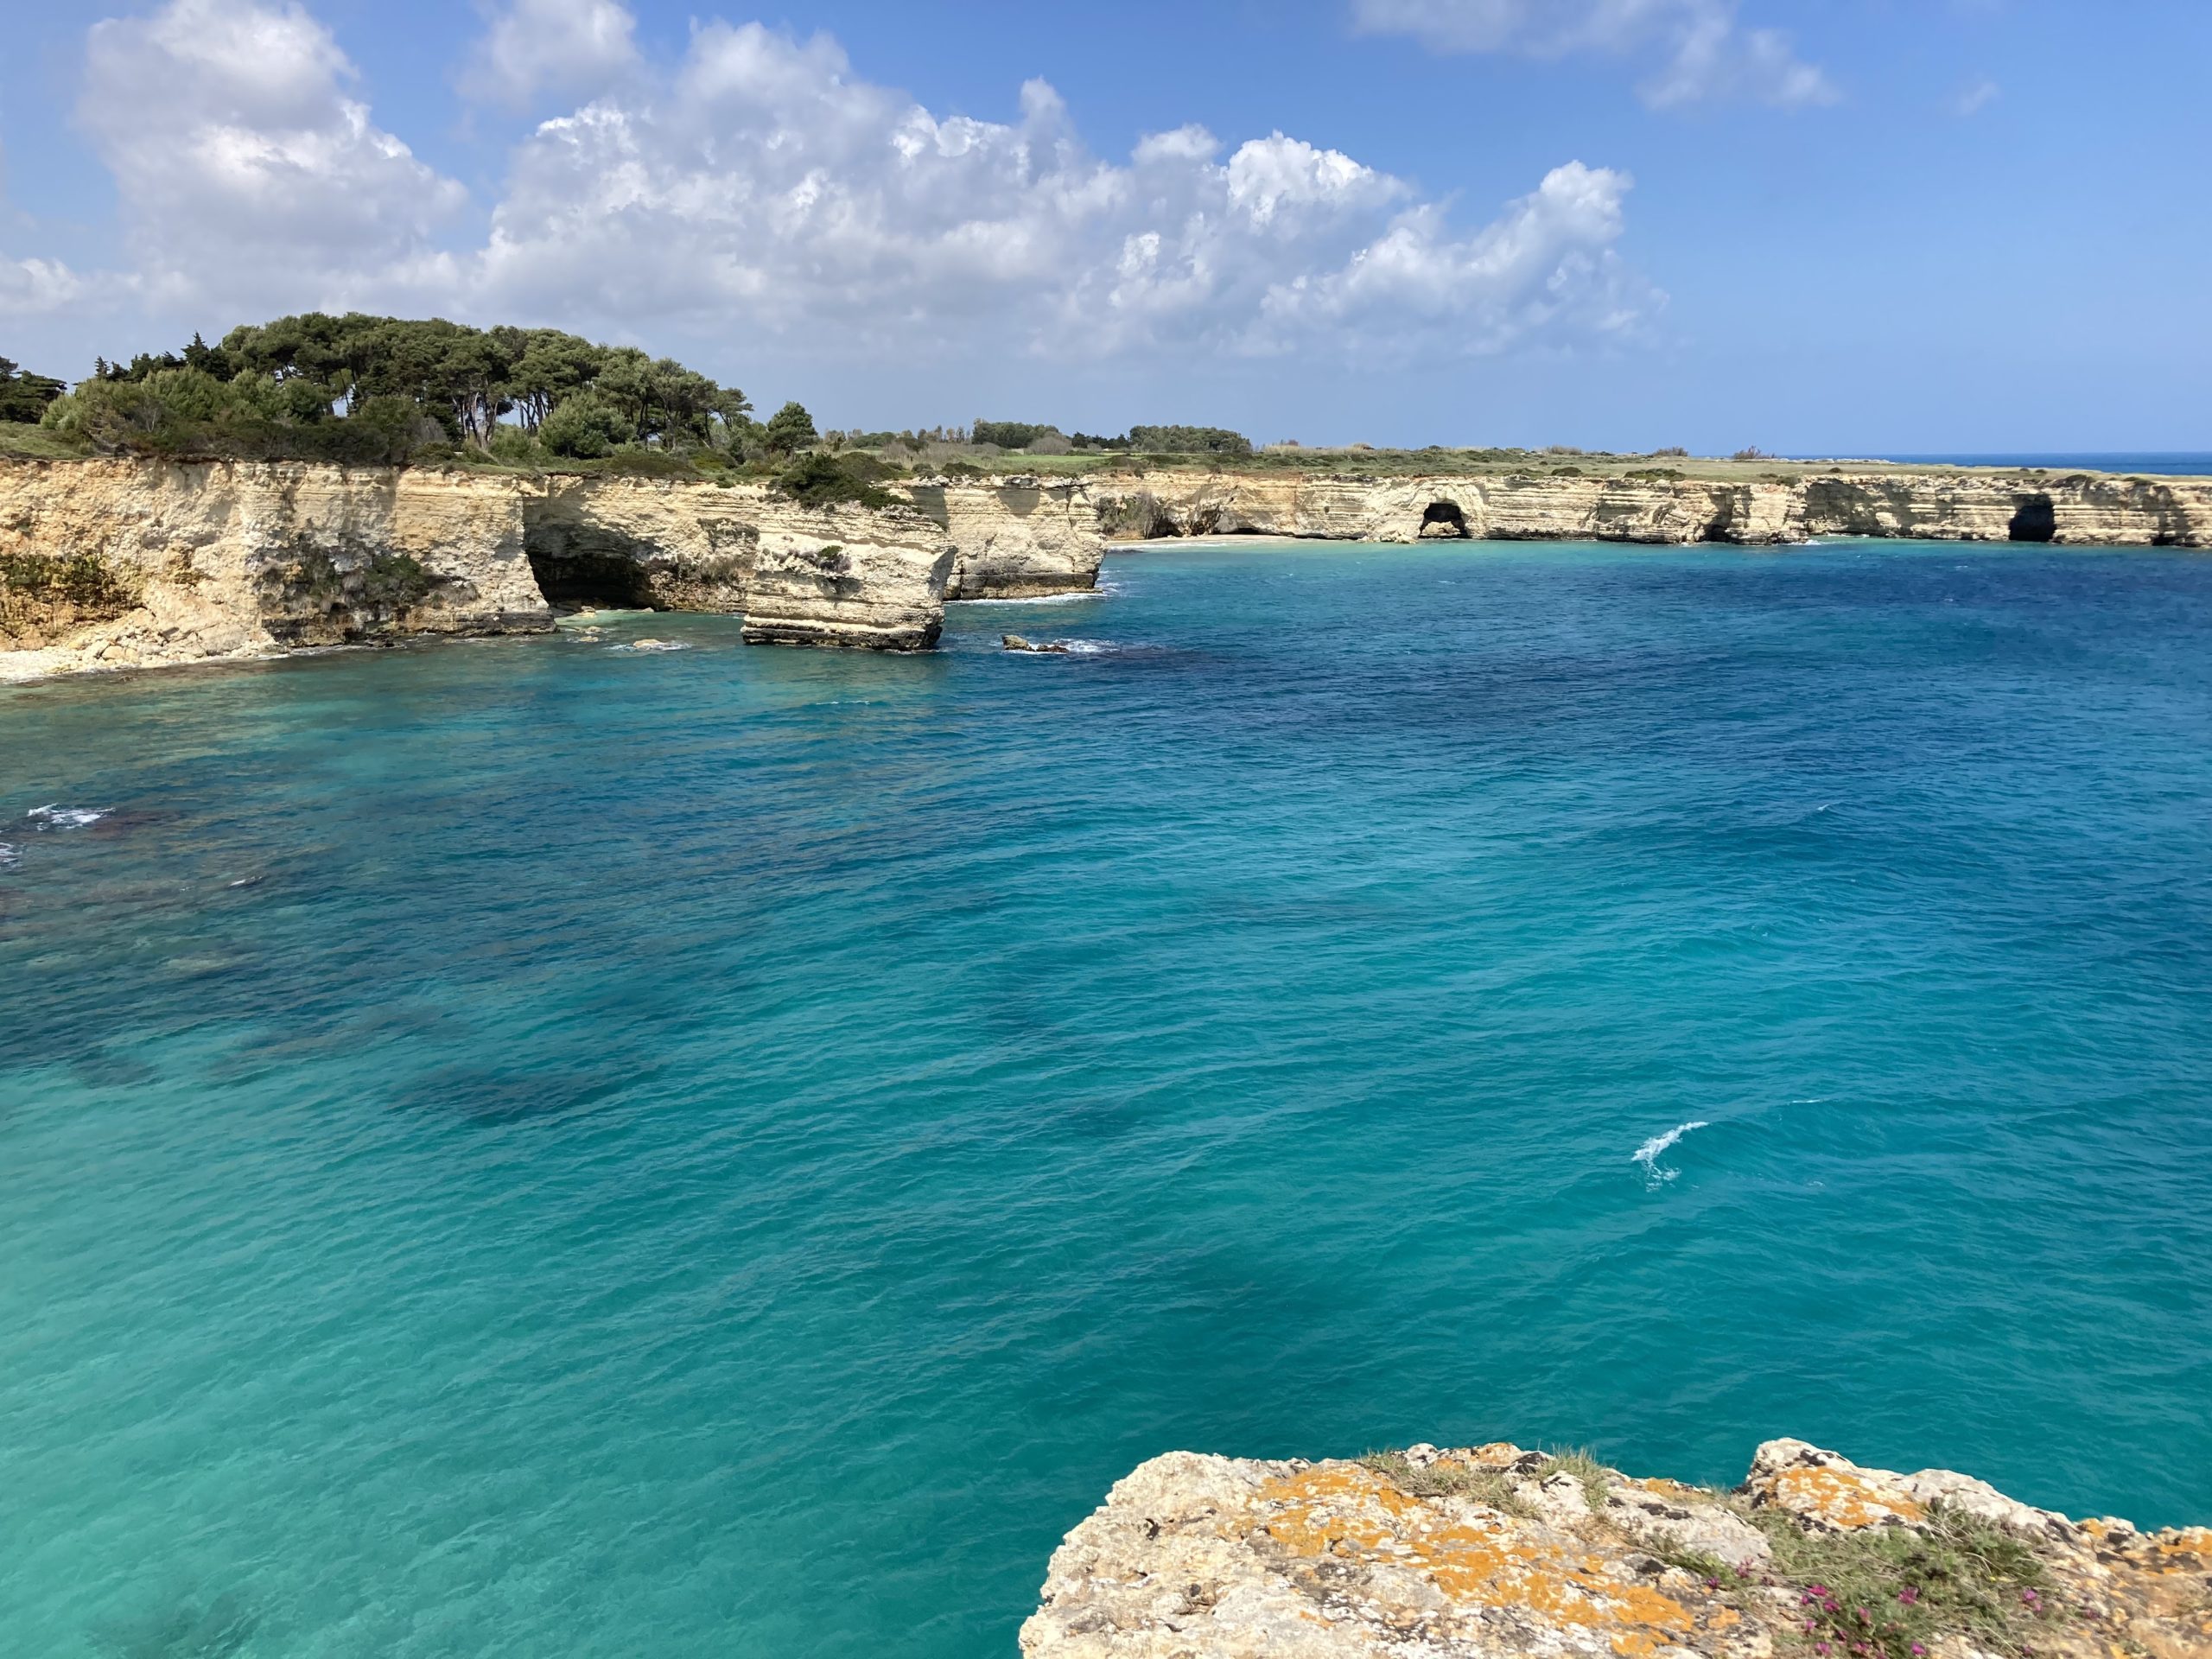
(1842,226)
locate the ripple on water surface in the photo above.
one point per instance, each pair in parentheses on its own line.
(541,1149)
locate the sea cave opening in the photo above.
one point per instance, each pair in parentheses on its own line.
(1444,520)
(580,568)
(2034,520)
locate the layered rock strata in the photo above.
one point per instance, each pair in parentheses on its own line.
(831,576)
(120,563)
(131,563)
(2077,510)
(1494,1550)
(123,563)
(1018,538)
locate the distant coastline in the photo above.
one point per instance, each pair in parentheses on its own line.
(2150,463)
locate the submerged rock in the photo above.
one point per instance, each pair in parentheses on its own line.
(1447,1555)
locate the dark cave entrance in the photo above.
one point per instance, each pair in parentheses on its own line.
(584,567)
(2034,520)
(1444,520)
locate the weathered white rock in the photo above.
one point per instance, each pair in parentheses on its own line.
(111,563)
(1827,1493)
(1668,1514)
(1019,537)
(1192,1557)
(847,576)
(2079,509)
(123,563)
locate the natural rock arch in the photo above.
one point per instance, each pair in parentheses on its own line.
(1444,520)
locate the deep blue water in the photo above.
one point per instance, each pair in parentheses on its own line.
(2160,463)
(526,1148)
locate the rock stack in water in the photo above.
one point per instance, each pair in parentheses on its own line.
(1441,1554)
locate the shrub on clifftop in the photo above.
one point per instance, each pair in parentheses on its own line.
(821,480)
(24,396)
(586,426)
(789,429)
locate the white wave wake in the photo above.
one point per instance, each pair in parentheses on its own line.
(1648,1154)
(52,816)
(1099,591)
(9,857)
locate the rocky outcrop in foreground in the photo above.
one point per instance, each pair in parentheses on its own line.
(1434,1555)
(115,564)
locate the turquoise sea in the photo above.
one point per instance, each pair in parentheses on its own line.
(526,1147)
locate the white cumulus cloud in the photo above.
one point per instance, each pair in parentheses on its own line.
(764,194)
(532,46)
(35,287)
(1705,53)
(247,174)
(770,186)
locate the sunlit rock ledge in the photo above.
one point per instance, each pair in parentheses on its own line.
(107,562)
(113,563)
(1436,1554)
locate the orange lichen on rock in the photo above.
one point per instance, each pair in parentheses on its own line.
(1199,1557)
(1843,1497)
(1476,1556)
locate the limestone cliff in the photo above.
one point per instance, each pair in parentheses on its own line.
(833,575)
(1019,537)
(1430,1555)
(116,564)
(2078,510)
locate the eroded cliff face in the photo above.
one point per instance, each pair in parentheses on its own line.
(834,576)
(847,576)
(1493,1550)
(120,563)
(2080,510)
(129,563)
(1018,538)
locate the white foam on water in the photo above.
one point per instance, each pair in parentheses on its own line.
(653,645)
(9,857)
(1648,1153)
(1099,591)
(51,817)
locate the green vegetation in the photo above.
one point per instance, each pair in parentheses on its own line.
(583,426)
(1446,1480)
(362,388)
(789,429)
(37,590)
(21,442)
(1875,1593)
(1582,1463)
(1011,435)
(1695,1562)
(24,396)
(1892,1591)
(816,479)
(1188,441)
(392,581)
(80,580)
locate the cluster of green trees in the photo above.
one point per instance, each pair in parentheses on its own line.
(360,386)
(24,396)
(1152,439)
(1188,441)
(916,439)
